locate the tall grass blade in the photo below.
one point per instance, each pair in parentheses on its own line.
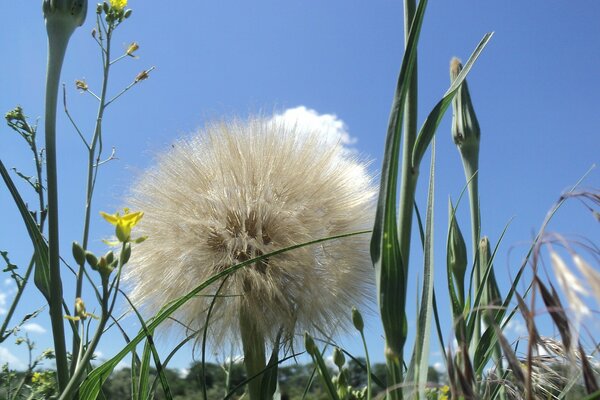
(268,385)
(145,391)
(419,364)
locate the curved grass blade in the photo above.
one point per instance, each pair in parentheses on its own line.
(243,383)
(205,336)
(419,364)
(91,386)
(435,116)
(268,385)
(41,275)
(144,391)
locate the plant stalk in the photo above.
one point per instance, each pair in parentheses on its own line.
(253,343)
(57,46)
(91,178)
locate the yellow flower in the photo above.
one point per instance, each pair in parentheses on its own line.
(36,377)
(118,4)
(123,223)
(444,391)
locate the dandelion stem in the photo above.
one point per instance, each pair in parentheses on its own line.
(253,343)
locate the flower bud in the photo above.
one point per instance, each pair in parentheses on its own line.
(465,127)
(92,260)
(456,254)
(80,308)
(78,253)
(109,256)
(338,358)
(357,319)
(63,16)
(309,344)
(126,253)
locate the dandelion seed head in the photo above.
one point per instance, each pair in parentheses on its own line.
(242,189)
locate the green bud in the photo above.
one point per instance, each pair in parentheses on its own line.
(492,295)
(126,253)
(105,269)
(309,344)
(357,319)
(338,358)
(63,16)
(127,14)
(465,127)
(109,256)
(78,253)
(99,8)
(105,7)
(343,389)
(92,260)
(456,253)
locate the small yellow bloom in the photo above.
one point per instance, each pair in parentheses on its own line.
(36,377)
(444,390)
(123,223)
(118,4)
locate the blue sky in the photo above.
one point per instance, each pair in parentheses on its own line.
(534,88)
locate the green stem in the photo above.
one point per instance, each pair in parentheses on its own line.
(368,362)
(253,343)
(57,46)
(108,304)
(91,178)
(471,165)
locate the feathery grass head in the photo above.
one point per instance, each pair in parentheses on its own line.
(238,190)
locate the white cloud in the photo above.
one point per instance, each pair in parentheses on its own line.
(183,372)
(9,282)
(32,327)
(439,366)
(2,303)
(334,129)
(517,327)
(122,365)
(13,361)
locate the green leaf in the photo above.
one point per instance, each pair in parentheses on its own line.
(435,116)
(268,385)
(42,269)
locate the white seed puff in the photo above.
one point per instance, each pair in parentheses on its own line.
(241,189)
